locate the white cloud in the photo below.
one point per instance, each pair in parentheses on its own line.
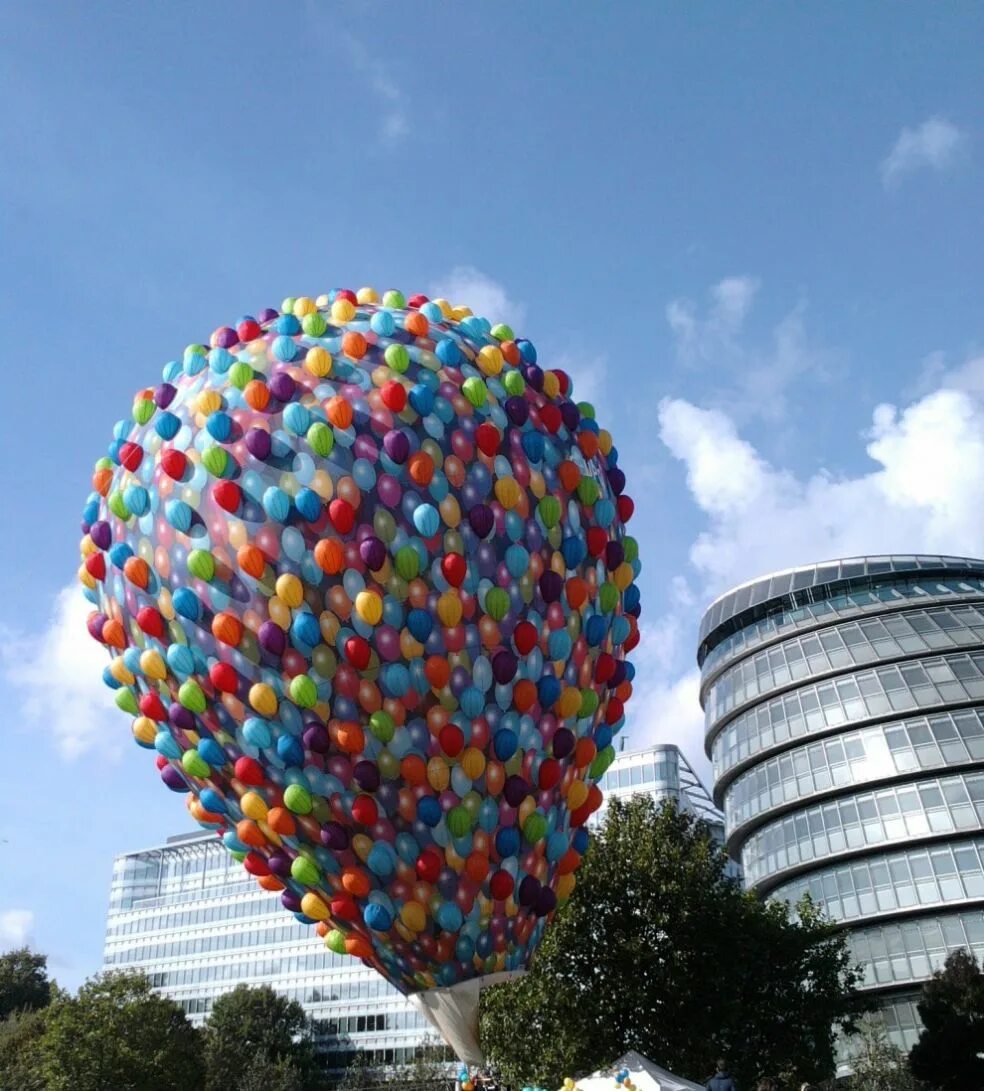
(752,380)
(466,286)
(56,678)
(15,928)
(936,144)
(394,123)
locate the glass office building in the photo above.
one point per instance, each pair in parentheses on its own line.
(187,914)
(844,708)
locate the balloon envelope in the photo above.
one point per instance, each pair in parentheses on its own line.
(362,571)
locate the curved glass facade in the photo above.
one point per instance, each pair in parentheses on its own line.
(844,715)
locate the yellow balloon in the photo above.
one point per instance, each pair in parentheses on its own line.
(342,311)
(323,485)
(490,360)
(238,535)
(209,401)
(446,309)
(526,808)
(318,361)
(569,702)
(538,487)
(153,665)
(551,384)
(449,609)
(119,671)
(86,579)
(414,916)
(605,441)
(577,795)
(279,611)
(367,295)
(253,805)
(304,305)
(312,906)
(507,492)
(455,862)
(438,774)
(362,846)
(290,589)
(450,511)
(145,730)
(263,699)
(409,647)
(473,763)
(87,546)
(565,886)
(369,607)
(623,576)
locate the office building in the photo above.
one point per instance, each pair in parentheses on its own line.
(844,707)
(187,914)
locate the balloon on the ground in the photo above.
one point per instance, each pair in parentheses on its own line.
(362,570)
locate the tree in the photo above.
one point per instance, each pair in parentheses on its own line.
(659,951)
(117,1033)
(948,1055)
(21,1034)
(263,1074)
(878,1065)
(248,1023)
(24,983)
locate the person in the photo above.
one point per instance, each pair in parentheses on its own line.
(721,1080)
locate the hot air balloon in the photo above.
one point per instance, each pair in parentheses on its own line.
(362,571)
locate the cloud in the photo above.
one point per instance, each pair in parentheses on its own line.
(753,380)
(936,144)
(56,676)
(466,286)
(16,926)
(394,124)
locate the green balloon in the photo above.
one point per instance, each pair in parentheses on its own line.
(305,871)
(201,563)
(215,460)
(382,726)
(240,374)
(397,357)
(191,697)
(407,563)
(321,438)
(303,691)
(535,828)
(630,548)
(118,507)
(389,765)
(607,597)
(502,332)
(194,764)
(335,941)
(298,799)
(459,821)
(127,702)
(589,703)
(601,762)
(497,603)
(587,490)
(384,525)
(475,391)
(314,324)
(143,410)
(586,409)
(514,383)
(323,661)
(393,298)
(549,511)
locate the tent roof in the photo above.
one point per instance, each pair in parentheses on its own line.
(645,1074)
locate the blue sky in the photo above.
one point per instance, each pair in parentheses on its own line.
(751,232)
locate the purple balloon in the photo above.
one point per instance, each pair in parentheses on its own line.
(282,386)
(258,443)
(397,446)
(518,411)
(272,638)
(515,790)
(529,889)
(504,666)
(335,836)
(291,901)
(481,520)
(373,553)
(551,586)
(546,901)
(164,395)
(279,863)
(616,480)
(181,717)
(563,742)
(317,739)
(173,779)
(366,775)
(614,555)
(570,415)
(101,534)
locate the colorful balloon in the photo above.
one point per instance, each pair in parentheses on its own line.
(362,572)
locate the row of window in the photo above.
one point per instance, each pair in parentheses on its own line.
(260,903)
(846,604)
(893,954)
(896,881)
(203,944)
(871,753)
(851,644)
(870,694)
(880,817)
(648,774)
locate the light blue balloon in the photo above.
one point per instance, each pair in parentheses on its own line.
(427,520)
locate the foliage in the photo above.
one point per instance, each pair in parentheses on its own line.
(428,1071)
(262,1073)
(24,983)
(21,1034)
(258,1024)
(117,1033)
(878,1065)
(659,951)
(948,1053)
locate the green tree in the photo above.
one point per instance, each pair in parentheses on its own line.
(264,1074)
(117,1034)
(249,1023)
(21,1035)
(24,983)
(659,951)
(949,1055)
(878,1065)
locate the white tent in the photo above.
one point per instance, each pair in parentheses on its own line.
(644,1074)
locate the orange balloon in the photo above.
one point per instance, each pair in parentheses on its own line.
(137,571)
(421,468)
(251,560)
(227,628)
(524,695)
(354,346)
(338,411)
(281,821)
(413,769)
(356,882)
(437,671)
(416,323)
(257,394)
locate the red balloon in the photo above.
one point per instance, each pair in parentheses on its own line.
(227,495)
(455,568)
(249,771)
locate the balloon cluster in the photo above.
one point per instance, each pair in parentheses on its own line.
(623,1079)
(362,569)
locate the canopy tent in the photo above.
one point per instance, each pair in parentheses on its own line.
(646,1076)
